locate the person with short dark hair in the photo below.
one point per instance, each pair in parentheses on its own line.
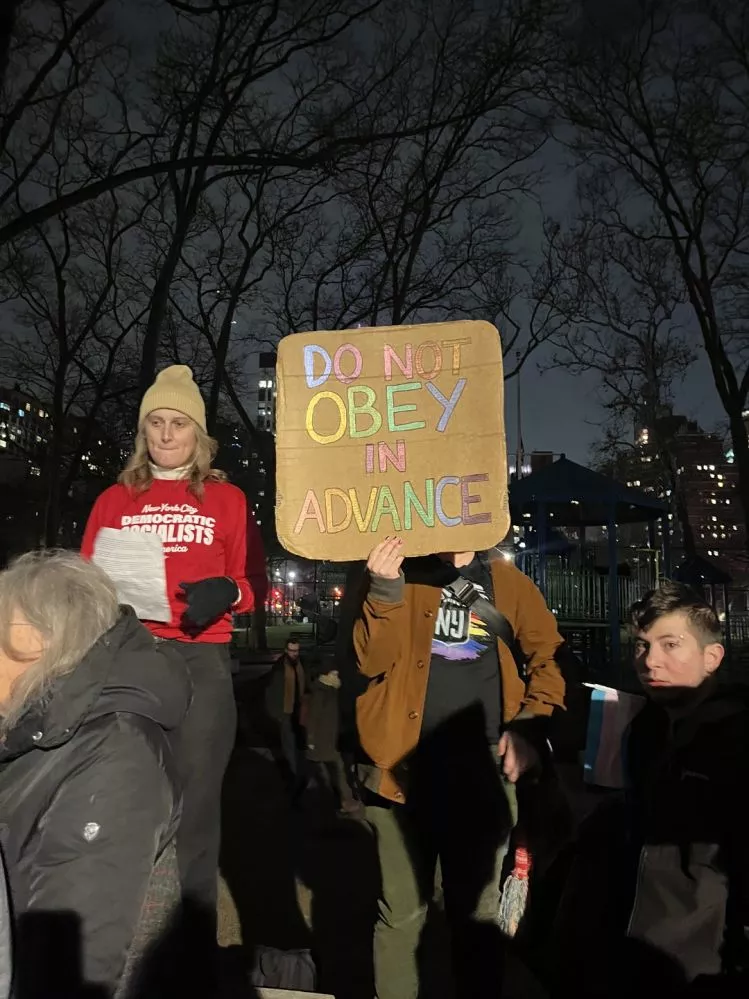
(688,756)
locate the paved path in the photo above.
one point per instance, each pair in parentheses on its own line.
(305,879)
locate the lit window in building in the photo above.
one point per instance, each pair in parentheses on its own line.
(4,405)
(699,468)
(3,443)
(21,412)
(28,407)
(712,468)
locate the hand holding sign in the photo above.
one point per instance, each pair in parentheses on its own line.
(396,430)
(386,559)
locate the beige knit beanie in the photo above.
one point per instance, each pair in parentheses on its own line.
(174,388)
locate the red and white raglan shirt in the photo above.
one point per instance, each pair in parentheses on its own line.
(215,536)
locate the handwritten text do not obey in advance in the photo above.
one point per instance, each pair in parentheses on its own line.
(405,401)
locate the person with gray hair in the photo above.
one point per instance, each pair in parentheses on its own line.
(88,796)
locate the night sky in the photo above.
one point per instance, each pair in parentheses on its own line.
(560,413)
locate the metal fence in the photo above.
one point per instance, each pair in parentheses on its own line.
(583,595)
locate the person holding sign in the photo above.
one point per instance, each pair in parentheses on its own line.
(215,565)
(449,728)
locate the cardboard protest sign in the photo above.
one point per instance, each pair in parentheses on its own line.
(391,430)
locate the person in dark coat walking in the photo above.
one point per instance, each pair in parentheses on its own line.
(285,690)
(322,742)
(89,798)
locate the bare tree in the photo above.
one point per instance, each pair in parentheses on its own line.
(73,300)
(623,307)
(8,15)
(654,100)
(64,61)
(425,227)
(286,58)
(208,100)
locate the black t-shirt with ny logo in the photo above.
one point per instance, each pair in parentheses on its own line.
(464,669)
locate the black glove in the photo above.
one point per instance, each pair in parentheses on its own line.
(209,599)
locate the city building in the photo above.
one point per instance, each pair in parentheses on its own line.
(263,391)
(24,432)
(677,460)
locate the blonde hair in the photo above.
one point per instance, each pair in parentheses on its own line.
(137,474)
(71,603)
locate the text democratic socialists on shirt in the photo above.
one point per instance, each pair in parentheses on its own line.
(215,536)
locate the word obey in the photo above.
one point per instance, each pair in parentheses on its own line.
(387,430)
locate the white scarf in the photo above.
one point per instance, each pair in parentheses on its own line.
(169,473)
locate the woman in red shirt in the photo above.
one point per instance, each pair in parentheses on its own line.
(214,566)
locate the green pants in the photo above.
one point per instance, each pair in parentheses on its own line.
(467,840)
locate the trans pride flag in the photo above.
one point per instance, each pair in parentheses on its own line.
(611,713)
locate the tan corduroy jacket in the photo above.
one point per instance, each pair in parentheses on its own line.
(392,641)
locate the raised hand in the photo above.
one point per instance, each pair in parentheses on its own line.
(385,559)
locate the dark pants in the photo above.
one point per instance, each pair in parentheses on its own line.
(289,751)
(331,775)
(202,748)
(458,816)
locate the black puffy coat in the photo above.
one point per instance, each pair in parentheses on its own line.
(88,804)
(690,772)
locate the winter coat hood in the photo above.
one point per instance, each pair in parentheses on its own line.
(126,671)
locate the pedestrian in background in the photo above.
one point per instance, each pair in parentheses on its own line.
(322,719)
(285,690)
